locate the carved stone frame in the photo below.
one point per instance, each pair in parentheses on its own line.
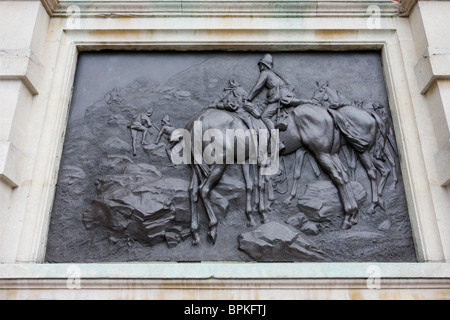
(233,279)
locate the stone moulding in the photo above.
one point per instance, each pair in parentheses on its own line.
(235,280)
(160,276)
(249,8)
(73,41)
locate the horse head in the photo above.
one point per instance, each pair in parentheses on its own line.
(335,98)
(320,94)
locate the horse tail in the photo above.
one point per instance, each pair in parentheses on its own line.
(381,136)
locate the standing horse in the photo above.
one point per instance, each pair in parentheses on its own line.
(204,177)
(314,127)
(373,129)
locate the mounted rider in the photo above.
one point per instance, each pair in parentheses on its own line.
(280,93)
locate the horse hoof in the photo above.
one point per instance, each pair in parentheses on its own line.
(264,218)
(346,225)
(381,204)
(250,221)
(196,240)
(288,200)
(212,236)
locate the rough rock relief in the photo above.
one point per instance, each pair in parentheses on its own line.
(230,156)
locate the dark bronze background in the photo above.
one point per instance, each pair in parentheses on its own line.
(105,195)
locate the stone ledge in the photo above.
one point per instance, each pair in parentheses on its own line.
(226,281)
(316,286)
(10,161)
(226,270)
(21,65)
(253,8)
(406,7)
(230,284)
(434,65)
(442,159)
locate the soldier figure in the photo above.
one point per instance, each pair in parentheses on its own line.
(140,123)
(280,93)
(166,130)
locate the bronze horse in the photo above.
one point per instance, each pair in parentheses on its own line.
(204,177)
(369,155)
(309,126)
(313,126)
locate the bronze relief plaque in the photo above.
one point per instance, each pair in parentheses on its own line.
(230,156)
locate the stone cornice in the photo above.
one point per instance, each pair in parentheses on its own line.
(214,8)
(406,7)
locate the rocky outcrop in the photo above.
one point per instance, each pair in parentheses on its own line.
(275,241)
(303,224)
(321,200)
(143,205)
(140,204)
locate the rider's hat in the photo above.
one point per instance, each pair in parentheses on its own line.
(267,61)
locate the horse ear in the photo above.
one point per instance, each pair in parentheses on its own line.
(317,83)
(326,84)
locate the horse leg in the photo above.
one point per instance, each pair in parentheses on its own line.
(350,156)
(249,186)
(347,188)
(206,188)
(351,208)
(367,163)
(271,195)
(299,157)
(384,171)
(255,174)
(314,166)
(391,160)
(193,195)
(333,166)
(262,193)
(133,140)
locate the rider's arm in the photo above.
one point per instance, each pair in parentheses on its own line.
(260,83)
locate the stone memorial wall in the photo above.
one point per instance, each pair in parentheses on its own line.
(101,195)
